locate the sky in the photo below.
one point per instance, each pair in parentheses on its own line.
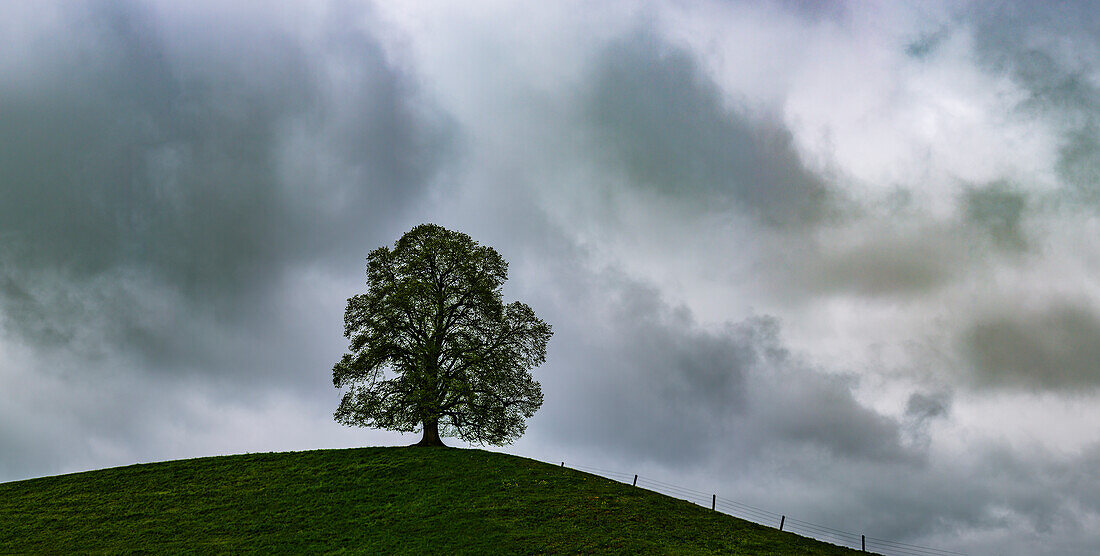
(840,261)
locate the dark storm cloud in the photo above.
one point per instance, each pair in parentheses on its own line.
(125,162)
(1052,349)
(649,382)
(646,381)
(142,166)
(807,407)
(667,126)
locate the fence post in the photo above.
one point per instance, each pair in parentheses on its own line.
(782,518)
(635,483)
(863,543)
(713,500)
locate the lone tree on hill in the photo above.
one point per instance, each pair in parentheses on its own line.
(433,346)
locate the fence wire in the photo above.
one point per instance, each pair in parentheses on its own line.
(766,517)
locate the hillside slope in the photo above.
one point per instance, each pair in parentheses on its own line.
(369,500)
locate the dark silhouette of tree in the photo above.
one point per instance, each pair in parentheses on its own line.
(433,346)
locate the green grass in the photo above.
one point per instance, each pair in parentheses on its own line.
(367,500)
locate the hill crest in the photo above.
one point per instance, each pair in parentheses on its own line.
(371,500)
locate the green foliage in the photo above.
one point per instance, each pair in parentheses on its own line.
(432,343)
(367,501)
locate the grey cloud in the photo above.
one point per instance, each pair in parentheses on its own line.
(922,407)
(645,381)
(921,410)
(1053,349)
(648,381)
(817,409)
(996,503)
(1014,488)
(999,211)
(813,11)
(1010,29)
(1079,164)
(926,43)
(1050,50)
(887,261)
(992,500)
(666,126)
(905,254)
(84,189)
(73,415)
(204,168)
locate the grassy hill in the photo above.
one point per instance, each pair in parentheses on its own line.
(367,500)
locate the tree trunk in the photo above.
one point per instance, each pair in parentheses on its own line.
(431,435)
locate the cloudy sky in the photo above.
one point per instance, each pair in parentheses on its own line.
(840,261)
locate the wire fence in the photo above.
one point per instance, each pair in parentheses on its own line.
(769,518)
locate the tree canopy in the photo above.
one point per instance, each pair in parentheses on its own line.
(434,347)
